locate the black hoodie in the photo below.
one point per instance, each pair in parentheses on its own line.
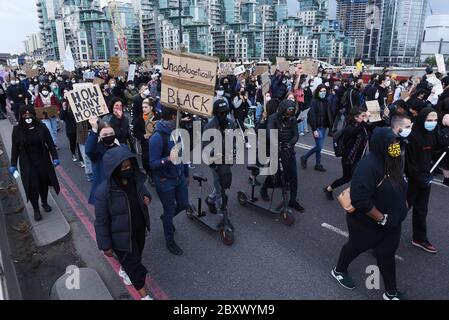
(369,188)
(288,127)
(419,150)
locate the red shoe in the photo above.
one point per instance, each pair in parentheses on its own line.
(425,245)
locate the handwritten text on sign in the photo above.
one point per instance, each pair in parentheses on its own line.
(188,82)
(87,102)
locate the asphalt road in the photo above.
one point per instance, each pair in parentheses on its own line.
(268,259)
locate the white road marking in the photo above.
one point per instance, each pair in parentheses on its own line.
(346,235)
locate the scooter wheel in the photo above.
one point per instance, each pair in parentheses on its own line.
(190,211)
(287,218)
(227,237)
(242,198)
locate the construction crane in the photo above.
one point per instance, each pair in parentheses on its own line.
(118,30)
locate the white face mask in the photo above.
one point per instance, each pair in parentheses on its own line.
(220,93)
(131,87)
(28,121)
(387,83)
(146,93)
(45,93)
(31,88)
(112,85)
(13,82)
(267,98)
(405,132)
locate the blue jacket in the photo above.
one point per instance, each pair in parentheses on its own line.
(95,151)
(167,170)
(113,227)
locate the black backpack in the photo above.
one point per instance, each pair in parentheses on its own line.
(338,143)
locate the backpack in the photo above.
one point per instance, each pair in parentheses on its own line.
(338,143)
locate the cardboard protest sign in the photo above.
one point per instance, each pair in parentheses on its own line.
(147,65)
(239,70)
(87,101)
(284,66)
(132,72)
(188,82)
(260,70)
(32,73)
(50,111)
(405,95)
(226,69)
(440,63)
(115,67)
(279,59)
(374,110)
(265,78)
(51,66)
(310,67)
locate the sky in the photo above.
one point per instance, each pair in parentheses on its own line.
(18,19)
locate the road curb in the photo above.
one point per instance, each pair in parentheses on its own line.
(80,284)
(53,227)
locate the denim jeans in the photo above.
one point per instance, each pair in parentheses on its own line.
(302,126)
(52,126)
(86,159)
(174,197)
(319,143)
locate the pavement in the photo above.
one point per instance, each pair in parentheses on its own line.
(268,260)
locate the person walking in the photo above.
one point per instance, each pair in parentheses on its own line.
(418,162)
(379,196)
(34,150)
(121,216)
(354,143)
(319,120)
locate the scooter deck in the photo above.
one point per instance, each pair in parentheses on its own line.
(210,220)
(265,209)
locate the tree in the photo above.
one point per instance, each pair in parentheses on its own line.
(138,60)
(431,61)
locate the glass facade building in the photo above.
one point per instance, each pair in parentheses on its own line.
(402,31)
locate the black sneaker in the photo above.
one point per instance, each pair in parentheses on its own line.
(46,207)
(264,194)
(295,205)
(397,296)
(343,279)
(212,206)
(174,248)
(37,215)
(320,168)
(303,163)
(329,194)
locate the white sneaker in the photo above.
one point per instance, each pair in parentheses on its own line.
(125,277)
(82,165)
(302,134)
(146,298)
(74,159)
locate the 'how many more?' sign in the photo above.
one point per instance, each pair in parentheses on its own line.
(87,101)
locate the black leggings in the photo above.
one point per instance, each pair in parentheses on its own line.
(384,242)
(132,261)
(38,184)
(347,176)
(72,141)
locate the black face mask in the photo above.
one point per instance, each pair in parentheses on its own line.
(108,141)
(126,174)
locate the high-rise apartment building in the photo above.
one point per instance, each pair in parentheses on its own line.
(32,43)
(436,36)
(351,15)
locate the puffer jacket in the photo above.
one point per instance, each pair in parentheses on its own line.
(113,227)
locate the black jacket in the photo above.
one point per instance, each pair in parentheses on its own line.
(355,141)
(113,227)
(320,115)
(367,192)
(287,128)
(419,150)
(383,95)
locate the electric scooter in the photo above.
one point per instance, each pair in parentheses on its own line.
(285,214)
(217,222)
